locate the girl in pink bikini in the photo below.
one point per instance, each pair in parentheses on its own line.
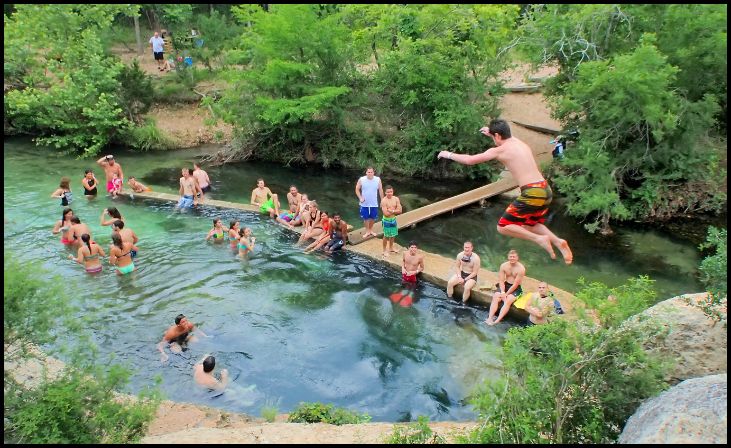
(64,226)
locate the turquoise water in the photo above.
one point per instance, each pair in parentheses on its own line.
(293,327)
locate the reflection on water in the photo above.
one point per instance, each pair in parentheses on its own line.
(288,326)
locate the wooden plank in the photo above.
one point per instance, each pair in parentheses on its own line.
(447,205)
(540,129)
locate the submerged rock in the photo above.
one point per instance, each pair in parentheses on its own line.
(694,412)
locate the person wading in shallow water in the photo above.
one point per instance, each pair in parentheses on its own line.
(525,216)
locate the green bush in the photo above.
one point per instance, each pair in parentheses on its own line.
(325,413)
(149,136)
(418,432)
(714,267)
(76,409)
(135,91)
(269,413)
(569,382)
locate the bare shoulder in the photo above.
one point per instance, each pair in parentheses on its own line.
(505,266)
(521,268)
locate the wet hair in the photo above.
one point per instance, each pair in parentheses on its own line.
(412,243)
(118,224)
(178,318)
(196,165)
(215,221)
(232,223)
(335,214)
(500,126)
(323,212)
(243,231)
(470,243)
(86,239)
(65,181)
(388,187)
(259,180)
(512,251)
(117,240)
(209,363)
(75,219)
(87,172)
(114,213)
(130,178)
(292,186)
(64,212)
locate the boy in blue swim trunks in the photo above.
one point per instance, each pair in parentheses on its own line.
(188,190)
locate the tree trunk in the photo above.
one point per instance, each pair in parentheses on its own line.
(375,53)
(606,230)
(137,34)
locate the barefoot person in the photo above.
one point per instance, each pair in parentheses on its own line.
(304,209)
(509,287)
(412,264)
(203,180)
(188,191)
(63,226)
(468,265)
(338,235)
(89,254)
(110,166)
(267,201)
(177,336)
(64,192)
(391,206)
(524,218)
(203,374)
(368,189)
(321,233)
(89,183)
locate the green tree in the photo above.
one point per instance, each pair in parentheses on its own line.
(714,267)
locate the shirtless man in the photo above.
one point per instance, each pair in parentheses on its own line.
(110,167)
(468,265)
(293,199)
(189,188)
(77,229)
(304,207)
(203,374)
(391,206)
(523,218)
(203,180)
(511,275)
(539,306)
(128,235)
(267,201)
(412,264)
(177,335)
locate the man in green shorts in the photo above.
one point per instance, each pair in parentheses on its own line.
(391,206)
(267,201)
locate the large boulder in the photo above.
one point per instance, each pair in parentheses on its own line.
(693,411)
(695,342)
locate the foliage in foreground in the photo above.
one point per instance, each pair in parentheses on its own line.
(418,432)
(571,382)
(325,413)
(79,406)
(715,267)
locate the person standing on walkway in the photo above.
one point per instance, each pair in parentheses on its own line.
(508,287)
(188,191)
(157,44)
(391,206)
(369,189)
(525,216)
(468,266)
(110,167)
(203,180)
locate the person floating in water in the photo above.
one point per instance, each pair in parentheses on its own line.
(508,288)
(412,265)
(203,374)
(178,336)
(525,216)
(64,192)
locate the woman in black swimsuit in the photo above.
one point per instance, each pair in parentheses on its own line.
(89,182)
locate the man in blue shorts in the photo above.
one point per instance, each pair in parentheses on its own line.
(188,190)
(368,189)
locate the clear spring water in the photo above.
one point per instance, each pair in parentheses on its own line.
(293,327)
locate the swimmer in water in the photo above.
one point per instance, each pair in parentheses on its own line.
(233,233)
(203,374)
(217,232)
(246,242)
(89,254)
(64,226)
(64,192)
(177,336)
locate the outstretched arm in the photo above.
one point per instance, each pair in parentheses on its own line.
(467,159)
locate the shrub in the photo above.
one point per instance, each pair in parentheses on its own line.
(149,136)
(713,267)
(418,432)
(269,413)
(325,413)
(569,382)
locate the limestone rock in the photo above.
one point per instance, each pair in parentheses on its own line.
(695,342)
(694,412)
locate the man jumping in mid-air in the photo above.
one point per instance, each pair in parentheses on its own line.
(525,216)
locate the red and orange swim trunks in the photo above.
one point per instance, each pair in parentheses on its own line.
(530,208)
